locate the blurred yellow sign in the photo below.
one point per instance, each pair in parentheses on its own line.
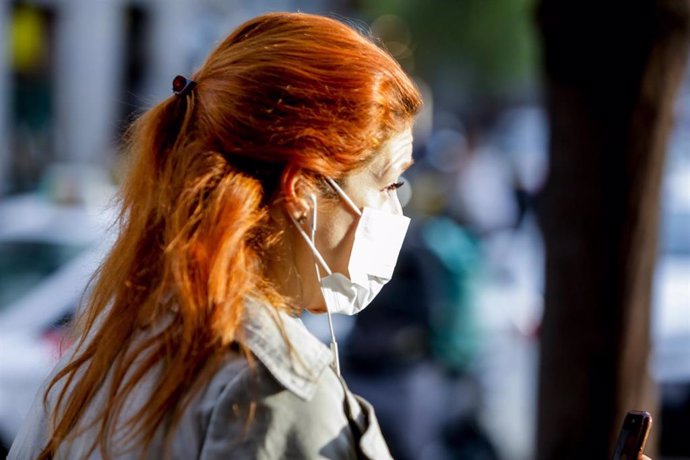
(27,39)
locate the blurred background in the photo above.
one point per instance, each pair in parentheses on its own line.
(448,354)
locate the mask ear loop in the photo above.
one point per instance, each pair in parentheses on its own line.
(344,196)
(315,253)
(318,259)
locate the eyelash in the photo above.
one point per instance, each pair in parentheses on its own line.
(395,186)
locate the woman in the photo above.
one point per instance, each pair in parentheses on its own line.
(265,186)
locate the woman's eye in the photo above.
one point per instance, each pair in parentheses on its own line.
(395,186)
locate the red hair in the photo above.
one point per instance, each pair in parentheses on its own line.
(285,93)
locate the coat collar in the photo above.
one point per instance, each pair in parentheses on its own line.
(294,356)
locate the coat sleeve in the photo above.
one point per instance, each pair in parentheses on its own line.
(255,417)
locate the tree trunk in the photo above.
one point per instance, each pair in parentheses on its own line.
(611,73)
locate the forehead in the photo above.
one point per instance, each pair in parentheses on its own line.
(394,155)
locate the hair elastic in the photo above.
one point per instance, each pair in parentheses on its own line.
(181,86)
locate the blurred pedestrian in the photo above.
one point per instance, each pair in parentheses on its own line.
(265,186)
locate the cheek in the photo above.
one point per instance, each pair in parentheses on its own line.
(334,238)
(341,256)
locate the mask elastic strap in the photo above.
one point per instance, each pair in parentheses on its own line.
(344,196)
(315,253)
(309,239)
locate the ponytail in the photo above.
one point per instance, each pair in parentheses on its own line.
(188,255)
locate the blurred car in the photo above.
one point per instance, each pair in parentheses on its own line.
(48,253)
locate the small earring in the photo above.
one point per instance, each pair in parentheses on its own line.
(302,218)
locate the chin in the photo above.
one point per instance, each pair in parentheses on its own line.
(317,309)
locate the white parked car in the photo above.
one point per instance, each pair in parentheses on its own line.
(48,253)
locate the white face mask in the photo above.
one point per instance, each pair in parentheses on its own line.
(378,239)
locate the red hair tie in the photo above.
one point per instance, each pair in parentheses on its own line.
(181,86)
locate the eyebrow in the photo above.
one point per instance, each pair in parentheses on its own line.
(406,165)
(397,166)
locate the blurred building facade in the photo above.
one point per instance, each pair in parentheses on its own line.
(76,71)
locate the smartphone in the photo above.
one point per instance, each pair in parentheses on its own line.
(633,435)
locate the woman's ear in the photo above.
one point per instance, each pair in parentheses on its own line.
(295,193)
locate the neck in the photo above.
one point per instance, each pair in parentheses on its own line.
(291,270)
